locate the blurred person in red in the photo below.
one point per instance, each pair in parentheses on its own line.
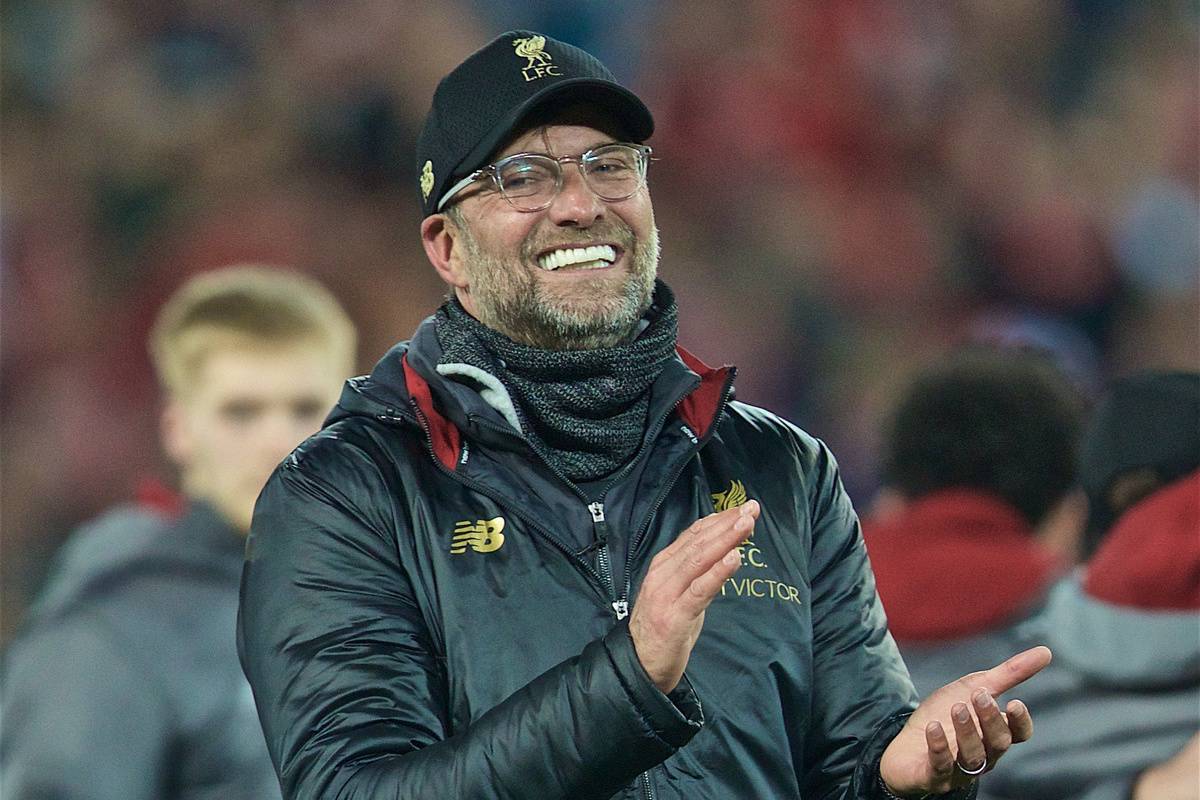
(979,468)
(1125,627)
(124,681)
(542,552)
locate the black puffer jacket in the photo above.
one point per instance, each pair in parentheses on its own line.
(422,615)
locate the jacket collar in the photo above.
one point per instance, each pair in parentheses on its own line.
(700,408)
(405,384)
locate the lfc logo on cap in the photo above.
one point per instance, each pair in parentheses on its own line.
(539,65)
(427,179)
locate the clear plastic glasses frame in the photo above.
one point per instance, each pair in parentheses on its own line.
(531,181)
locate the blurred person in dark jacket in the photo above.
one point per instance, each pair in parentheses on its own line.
(1125,627)
(979,468)
(124,681)
(540,552)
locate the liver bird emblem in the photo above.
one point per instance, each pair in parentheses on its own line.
(732,497)
(531,48)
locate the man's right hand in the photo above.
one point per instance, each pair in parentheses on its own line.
(683,579)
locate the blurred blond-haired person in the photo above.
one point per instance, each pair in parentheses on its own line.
(124,680)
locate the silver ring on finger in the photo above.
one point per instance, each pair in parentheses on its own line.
(972,772)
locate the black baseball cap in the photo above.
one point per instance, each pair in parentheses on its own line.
(482,103)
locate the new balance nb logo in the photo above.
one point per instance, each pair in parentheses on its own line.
(482,536)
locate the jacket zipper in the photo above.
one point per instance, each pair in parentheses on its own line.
(603,572)
(647,791)
(620,605)
(600,542)
(603,586)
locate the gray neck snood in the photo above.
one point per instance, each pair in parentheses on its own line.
(584,411)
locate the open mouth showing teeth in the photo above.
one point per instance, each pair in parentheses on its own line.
(594,257)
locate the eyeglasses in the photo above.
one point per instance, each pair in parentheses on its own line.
(531,181)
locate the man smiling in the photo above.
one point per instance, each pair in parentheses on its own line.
(526,556)
(581,283)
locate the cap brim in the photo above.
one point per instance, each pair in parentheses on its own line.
(624,106)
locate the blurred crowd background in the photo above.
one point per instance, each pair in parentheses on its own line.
(846,189)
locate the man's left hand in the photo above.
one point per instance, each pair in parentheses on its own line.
(959,729)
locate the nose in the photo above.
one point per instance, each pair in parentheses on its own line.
(576,206)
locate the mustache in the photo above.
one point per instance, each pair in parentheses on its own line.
(609,231)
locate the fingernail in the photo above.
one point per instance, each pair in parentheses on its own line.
(745,508)
(961,714)
(982,699)
(732,558)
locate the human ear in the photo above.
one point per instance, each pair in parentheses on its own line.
(438,235)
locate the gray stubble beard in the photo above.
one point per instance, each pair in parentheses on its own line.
(515,304)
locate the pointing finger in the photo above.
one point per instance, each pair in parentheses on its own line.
(1015,670)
